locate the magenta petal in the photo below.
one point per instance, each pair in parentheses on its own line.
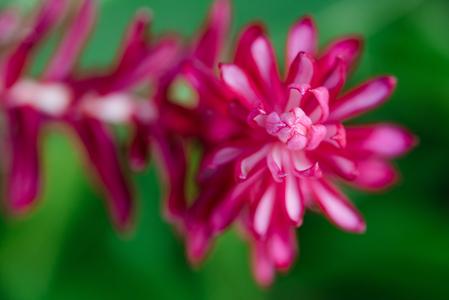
(336,78)
(23,178)
(263,69)
(386,140)
(103,157)
(263,212)
(282,247)
(229,208)
(139,149)
(294,200)
(198,242)
(134,44)
(75,38)
(9,24)
(375,174)
(151,64)
(243,52)
(301,70)
(336,207)
(363,98)
(209,87)
(239,83)
(341,165)
(347,50)
(49,15)
(262,265)
(210,43)
(173,164)
(302,37)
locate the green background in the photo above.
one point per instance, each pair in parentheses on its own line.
(67,248)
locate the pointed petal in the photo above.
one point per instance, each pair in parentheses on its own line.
(173,164)
(238,82)
(210,89)
(347,49)
(375,174)
(303,166)
(294,202)
(134,43)
(211,41)
(49,15)
(302,37)
(153,63)
(198,242)
(336,207)
(336,78)
(262,265)
(75,38)
(24,174)
(363,98)
(386,140)
(243,51)
(282,247)
(274,163)
(321,111)
(223,156)
(139,151)
(341,165)
(264,210)
(10,20)
(231,206)
(247,164)
(301,70)
(103,157)
(336,135)
(264,70)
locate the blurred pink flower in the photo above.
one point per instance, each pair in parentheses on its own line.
(283,143)
(82,102)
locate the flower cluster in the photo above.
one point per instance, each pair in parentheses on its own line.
(271,147)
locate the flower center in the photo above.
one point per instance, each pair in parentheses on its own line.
(293,128)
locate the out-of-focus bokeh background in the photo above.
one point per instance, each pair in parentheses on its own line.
(67,249)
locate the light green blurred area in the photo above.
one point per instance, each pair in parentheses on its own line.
(67,248)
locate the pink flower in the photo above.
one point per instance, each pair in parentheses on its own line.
(287,146)
(79,101)
(173,126)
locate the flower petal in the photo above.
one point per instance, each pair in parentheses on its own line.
(243,51)
(336,78)
(262,265)
(172,162)
(50,14)
(229,208)
(302,37)
(211,40)
(346,49)
(274,163)
(363,98)
(140,147)
(238,82)
(103,157)
(294,202)
(264,210)
(375,174)
(24,174)
(386,140)
(336,207)
(67,53)
(264,70)
(247,164)
(301,70)
(321,111)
